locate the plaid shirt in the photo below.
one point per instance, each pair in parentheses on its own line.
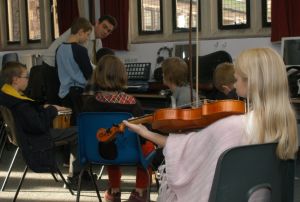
(120,98)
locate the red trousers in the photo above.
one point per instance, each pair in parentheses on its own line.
(114,172)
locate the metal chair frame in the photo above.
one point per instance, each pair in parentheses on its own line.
(12,136)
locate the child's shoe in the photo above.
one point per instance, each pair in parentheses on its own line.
(109,197)
(135,197)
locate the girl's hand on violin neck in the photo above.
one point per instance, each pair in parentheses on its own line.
(144,132)
(137,128)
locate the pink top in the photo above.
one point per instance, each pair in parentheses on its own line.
(191,159)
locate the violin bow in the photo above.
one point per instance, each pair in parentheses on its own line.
(190,52)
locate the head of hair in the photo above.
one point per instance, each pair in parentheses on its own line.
(102,52)
(110,74)
(81,23)
(11,70)
(175,70)
(112,20)
(273,116)
(223,75)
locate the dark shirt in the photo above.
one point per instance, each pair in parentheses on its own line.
(33,123)
(218,95)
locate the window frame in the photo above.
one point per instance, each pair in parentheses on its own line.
(7,25)
(142,32)
(174,19)
(24,44)
(228,27)
(52,20)
(264,8)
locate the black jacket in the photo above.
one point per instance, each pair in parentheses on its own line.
(33,123)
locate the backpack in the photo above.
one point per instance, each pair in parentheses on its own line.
(293,73)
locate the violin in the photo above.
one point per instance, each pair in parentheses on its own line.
(171,120)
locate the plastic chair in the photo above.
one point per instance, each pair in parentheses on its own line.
(8,133)
(3,138)
(208,64)
(13,138)
(243,170)
(128,144)
(9,57)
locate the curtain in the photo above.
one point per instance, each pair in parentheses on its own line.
(67,12)
(118,40)
(285,19)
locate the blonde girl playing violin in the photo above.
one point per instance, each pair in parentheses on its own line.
(191,158)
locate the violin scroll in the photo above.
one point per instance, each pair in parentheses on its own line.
(107,135)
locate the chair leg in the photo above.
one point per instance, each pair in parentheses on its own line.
(95,185)
(2,143)
(53,175)
(100,173)
(79,184)
(9,170)
(64,180)
(21,182)
(149,184)
(157,182)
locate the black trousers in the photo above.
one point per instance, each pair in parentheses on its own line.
(74,101)
(68,136)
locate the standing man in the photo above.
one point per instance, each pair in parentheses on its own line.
(102,29)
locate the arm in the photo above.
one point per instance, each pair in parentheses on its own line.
(81,57)
(158,139)
(35,119)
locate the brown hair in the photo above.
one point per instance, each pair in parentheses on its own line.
(110,74)
(10,70)
(223,75)
(80,23)
(175,71)
(110,19)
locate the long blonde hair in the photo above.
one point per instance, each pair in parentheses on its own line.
(273,118)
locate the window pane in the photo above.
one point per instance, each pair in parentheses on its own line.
(54,19)
(182,9)
(234,12)
(13,20)
(150,15)
(266,13)
(33,19)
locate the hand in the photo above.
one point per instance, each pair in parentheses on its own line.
(137,128)
(61,108)
(58,108)
(140,129)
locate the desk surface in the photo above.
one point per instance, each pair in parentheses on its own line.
(148,95)
(152,101)
(295,100)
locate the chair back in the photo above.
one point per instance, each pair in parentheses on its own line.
(129,150)
(208,63)
(38,160)
(43,84)
(9,124)
(243,170)
(9,57)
